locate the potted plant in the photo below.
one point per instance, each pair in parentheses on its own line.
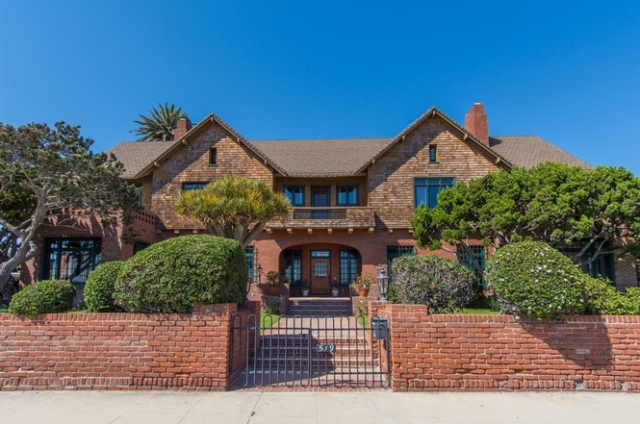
(305,288)
(363,284)
(335,288)
(275,281)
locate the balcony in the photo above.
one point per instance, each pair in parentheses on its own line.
(327,217)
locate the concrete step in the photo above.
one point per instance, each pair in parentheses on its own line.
(320,307)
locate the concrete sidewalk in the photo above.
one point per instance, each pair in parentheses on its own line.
(318,407)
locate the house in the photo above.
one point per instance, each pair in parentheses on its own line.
(352,198)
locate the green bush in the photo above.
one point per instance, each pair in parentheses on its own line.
(176,274)
(441,284)
(633,299)
(535,280)
(100,286)
(43,297)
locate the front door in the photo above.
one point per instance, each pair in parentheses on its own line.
(320,272)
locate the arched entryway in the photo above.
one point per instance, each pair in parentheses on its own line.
(320,267)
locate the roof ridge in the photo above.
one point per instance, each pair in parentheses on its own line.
(321,139)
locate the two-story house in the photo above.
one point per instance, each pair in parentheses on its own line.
(352,198)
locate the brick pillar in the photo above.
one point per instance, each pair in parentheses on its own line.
(477,123)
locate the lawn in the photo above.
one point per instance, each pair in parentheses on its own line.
(268,320)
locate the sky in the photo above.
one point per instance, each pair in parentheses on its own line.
(568,71)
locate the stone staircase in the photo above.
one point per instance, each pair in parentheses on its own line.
(313,306)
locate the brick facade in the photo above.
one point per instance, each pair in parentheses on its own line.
(498,352)
(117,351)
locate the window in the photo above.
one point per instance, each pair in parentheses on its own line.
(602,266)
(138,246)
(213,156)
(292,265)
(349,266)
(295,194)
(396,252)
(193,186)
(249,256)
(347,195)
(426,190)
(71,258)
(465,259)
(433,157)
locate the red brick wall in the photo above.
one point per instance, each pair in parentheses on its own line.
(491,352)
(117,350)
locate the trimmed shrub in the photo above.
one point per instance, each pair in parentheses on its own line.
(43,297)
(441,284)
(632,296)
(100,286)
(176,274)
(535,280)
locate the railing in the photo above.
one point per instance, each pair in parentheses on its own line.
(327,217)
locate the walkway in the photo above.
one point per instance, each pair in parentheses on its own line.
(303,408)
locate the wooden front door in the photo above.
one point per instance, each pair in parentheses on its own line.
(320,272)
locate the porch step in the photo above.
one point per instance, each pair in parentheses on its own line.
(306,306)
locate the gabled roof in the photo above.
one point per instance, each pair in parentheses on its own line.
(136,155)
(341,157)
(184,140)
(465,135)
(530,150)
(323,157)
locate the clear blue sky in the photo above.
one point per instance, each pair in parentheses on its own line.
(568,71)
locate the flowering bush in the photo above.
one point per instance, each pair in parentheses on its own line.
(535,280)
(441,284)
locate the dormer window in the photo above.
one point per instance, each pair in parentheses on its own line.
(213,157)
(433,153)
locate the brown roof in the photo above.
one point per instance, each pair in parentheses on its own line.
(340,157)
(135,155)
(323,157)
(530,150)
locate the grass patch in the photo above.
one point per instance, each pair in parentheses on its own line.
(479,311)
(363,321)
(268,320)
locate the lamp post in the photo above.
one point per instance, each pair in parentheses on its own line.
(383,282)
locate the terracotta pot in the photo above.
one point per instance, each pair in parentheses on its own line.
(363,292)
(273,291)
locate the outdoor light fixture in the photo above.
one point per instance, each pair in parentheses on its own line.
(259,273)
(383,282)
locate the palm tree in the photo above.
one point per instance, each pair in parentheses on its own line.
(161,124)
(233,207)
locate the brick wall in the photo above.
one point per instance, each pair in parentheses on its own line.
(118,351)
(626,273)
(494,352)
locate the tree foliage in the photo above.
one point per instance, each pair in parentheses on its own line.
(160,124)
(234,207)
(599,210)
(45,173)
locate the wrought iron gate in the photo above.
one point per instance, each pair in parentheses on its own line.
(310,352)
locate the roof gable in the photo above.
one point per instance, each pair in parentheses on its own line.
(432,113)
(184,140)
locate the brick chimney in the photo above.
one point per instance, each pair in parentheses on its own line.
(476,122)
(183,127)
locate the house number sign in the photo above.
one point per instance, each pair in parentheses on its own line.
(326,348)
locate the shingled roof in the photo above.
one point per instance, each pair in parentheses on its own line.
(323,157)
(135,155)
(530,150)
